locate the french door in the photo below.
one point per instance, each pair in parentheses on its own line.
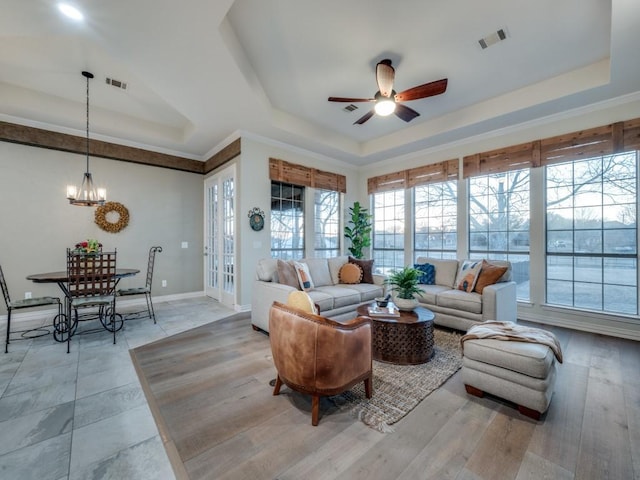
(220,240)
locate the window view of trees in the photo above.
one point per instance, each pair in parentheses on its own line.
(499,222)
(591,243)
(287,221)
(436,213)
(327,223)
(388,231)
(592,234)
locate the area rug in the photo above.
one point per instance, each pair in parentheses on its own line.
(397,389)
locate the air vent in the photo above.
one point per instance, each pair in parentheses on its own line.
(350,108)
(116,83)
(495,37)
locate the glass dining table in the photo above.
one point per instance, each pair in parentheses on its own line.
(61,278)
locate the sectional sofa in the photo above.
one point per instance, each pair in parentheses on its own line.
(459,309)
(452,307)
(336,300)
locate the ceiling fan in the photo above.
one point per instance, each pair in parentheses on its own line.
(386,98)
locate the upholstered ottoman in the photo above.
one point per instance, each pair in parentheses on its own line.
(523,373)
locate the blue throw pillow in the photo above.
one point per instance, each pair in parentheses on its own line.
(427,273)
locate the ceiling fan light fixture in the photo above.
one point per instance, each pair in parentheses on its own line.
(71,11)
(385,107)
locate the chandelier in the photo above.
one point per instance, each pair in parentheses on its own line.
(87,195)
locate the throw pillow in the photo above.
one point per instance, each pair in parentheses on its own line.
(427,273)
(367,268)
(350,273)
(301,301)
(489,275)
(287,274)
(304,277)
(468,275)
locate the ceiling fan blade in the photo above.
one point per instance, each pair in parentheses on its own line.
(364,118)
(423,91)
(385,74)
(405,113)
(350,100)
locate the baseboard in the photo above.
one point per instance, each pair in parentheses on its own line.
(621,330)
(37,315)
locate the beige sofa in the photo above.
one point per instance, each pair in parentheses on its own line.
(336,300)
(460,310)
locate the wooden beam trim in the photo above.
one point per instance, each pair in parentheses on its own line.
(40,138)
(225,155)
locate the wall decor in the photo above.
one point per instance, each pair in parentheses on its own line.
(112,226)
(256,219)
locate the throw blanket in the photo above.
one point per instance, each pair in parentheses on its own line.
(515,332)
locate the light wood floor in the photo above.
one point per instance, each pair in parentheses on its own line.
(208,389)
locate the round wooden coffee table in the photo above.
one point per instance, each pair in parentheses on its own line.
(403,340)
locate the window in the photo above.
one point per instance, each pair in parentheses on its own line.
(591,234)
(499,222)
(436,213)
(388,231)
(327,223)
(287,221)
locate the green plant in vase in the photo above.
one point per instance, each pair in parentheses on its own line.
(404,285)
(358,230)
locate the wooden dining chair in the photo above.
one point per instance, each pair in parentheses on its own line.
(91,284)
(21,304)
(145,290)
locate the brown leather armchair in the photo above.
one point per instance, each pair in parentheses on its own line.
(319,356)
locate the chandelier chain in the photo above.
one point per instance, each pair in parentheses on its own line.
(87,124)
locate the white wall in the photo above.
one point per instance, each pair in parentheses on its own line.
(254,190)
(37,223)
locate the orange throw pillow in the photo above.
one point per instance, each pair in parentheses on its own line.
(489,275)
(350,273)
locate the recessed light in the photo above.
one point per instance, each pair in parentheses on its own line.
(70,11)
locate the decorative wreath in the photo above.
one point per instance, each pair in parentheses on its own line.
(106,225)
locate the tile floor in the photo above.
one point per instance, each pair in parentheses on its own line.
(83,415)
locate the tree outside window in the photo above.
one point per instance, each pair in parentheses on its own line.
(499,222)
(591,241)
(287,221)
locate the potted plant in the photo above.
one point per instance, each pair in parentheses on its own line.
(404,285)
(358,230)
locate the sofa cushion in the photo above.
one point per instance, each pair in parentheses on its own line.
(445,270)
(368,291)
(468,275)
(350,273)
(334,267)
(343,296)
(460,300)
(319,271)
(304,277)
(267,270)
(430,292)
(489,275)
(367,268)
(427,273)
(322,299)
(287,274)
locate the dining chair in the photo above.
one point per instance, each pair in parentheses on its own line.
(26,303)
(91,284)
(146,290)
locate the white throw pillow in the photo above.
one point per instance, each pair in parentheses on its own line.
(468,275)
(304,277)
